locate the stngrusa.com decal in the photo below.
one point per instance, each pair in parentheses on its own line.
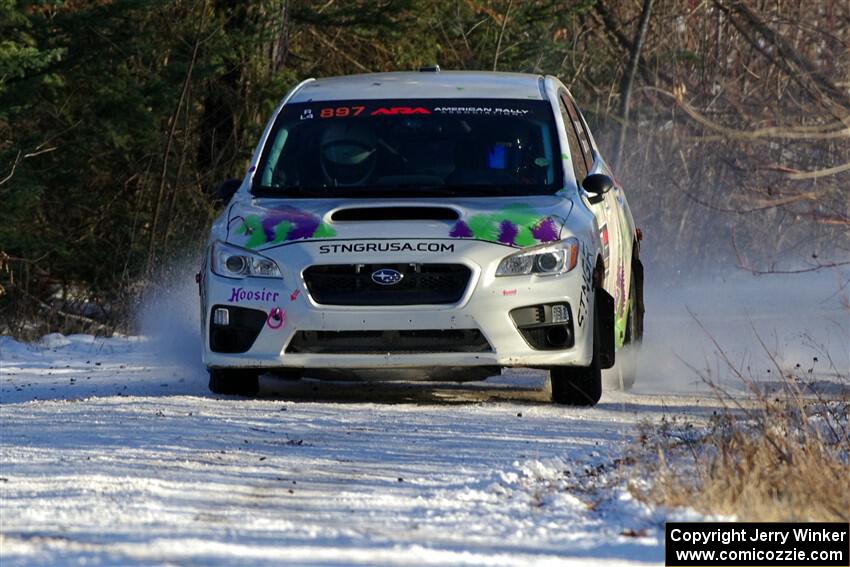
(346,248)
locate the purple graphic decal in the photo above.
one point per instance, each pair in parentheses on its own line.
(460,230)
(546,231)
(284,224)
(507,232)
(516,224)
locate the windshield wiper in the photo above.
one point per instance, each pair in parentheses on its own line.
(488,190)
(407,191)
(415,190)
(440,190)
(292,191)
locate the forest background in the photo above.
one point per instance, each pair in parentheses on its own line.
(728,122)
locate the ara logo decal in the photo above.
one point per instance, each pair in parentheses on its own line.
(387,276)
(396,110)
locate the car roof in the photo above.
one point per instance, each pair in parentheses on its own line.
(423,84)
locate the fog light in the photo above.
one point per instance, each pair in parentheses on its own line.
(560,314)
(221,316)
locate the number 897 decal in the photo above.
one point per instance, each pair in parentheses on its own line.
(341,111)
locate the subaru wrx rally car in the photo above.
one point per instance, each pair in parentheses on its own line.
(452,222)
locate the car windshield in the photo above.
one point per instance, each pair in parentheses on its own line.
(411,148)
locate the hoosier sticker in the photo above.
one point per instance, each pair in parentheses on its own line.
(238,294)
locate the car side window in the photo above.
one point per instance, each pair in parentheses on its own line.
(584,140)
(576,156)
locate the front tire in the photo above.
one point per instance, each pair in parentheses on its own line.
(234,382)
(579,385)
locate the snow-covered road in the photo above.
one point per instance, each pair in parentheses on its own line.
(109,456)
(112,451)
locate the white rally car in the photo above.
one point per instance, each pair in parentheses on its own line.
(451,222)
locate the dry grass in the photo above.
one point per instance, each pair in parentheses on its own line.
(781,455)
(773,469)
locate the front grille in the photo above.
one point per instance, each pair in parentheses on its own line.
(421,284)
(394,342)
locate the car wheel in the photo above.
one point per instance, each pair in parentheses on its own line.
(579,385)
(234,382)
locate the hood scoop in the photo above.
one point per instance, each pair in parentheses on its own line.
(355,214)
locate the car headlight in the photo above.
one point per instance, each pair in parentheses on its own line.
(545,260)
(235,262)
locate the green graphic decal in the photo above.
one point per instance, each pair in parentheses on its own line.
(281,225)
(253,227)
(620,324)
(623,301)
(516,225)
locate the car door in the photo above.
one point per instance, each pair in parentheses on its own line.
(582,158)
(612,217)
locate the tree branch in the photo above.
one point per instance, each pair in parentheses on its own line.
(501,35)
(794,63)
(613,28)
(629,79)
(789,132)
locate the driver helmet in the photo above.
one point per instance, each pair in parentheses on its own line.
(347,153)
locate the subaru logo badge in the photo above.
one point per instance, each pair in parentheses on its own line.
(386,276)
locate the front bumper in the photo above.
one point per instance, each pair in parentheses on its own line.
(485,306)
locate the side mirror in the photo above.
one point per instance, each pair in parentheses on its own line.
(227,189)
(597,185)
